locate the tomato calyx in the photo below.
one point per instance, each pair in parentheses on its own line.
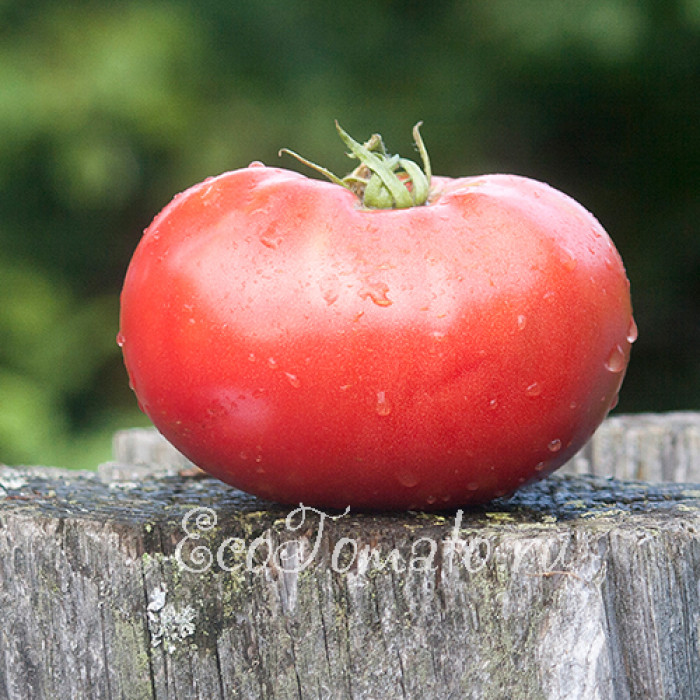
(381,180)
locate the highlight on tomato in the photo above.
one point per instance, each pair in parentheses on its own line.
(388,340)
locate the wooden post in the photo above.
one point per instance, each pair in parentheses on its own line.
(137,581)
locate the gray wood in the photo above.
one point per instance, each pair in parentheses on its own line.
(581,586)
(645,446)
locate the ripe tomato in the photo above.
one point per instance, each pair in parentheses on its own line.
(304,347)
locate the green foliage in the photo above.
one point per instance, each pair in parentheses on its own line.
(108,109)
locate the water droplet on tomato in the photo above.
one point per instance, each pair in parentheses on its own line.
(407,478)
(270,241)
(521,322)
(568,260)
(272,363)
(430,499)
(493,404)
(329,296)
(616,360)
(377,292)
(632,331)
(258,393)
(554,445)
(120,339)
(383,406)
(534,389)
(293,379)
(330,288)
(615,401)
(251,357)
(539,467)
(243,456)
(256,164)
(473,486)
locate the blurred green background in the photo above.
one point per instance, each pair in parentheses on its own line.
(107,109)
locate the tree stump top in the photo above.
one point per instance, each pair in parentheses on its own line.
(566,499)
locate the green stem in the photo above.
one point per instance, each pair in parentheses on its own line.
(381,181)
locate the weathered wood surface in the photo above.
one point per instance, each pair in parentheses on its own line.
(582,586)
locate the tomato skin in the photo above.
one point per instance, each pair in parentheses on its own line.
(304,349)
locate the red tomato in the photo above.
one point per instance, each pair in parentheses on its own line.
(303,348)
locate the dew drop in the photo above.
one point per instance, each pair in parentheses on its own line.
(472,486)
(258,393)
(243,456)
(272,363)
(251,357)
(269,241)
(569,261)
(521,322)
(616,360)
(407,478)
(632,331)
(383,407)
(539,467)
(330,288)
(377,292)
(534,389)
(493,404)
(431,499)
(614,403)
(293,379)
(256,164)
(120,339)
(554,445)
(330,296)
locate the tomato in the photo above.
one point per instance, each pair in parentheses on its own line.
(304,347)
